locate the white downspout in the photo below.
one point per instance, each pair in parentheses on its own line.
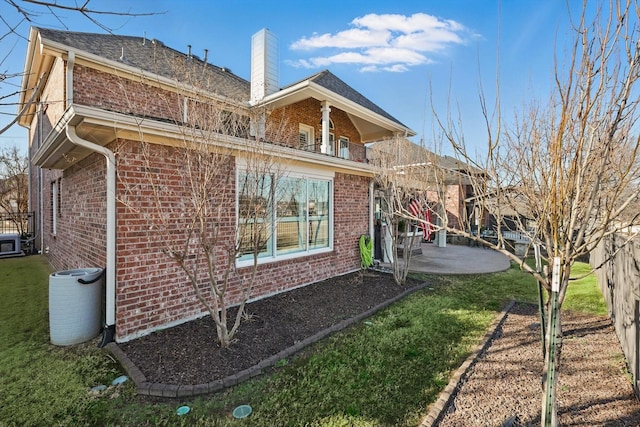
(110,268)
(110,309)
(71,59)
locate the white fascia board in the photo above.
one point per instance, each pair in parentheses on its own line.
(350,106)
(316,91)
(28,63)
(34,67)
(112,120)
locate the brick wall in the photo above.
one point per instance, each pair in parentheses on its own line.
(114,93)
(51,107)
(81,223)
(308,112)
(454,204)
(153,291)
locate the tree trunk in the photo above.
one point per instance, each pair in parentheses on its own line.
(552,356)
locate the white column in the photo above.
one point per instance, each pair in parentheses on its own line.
(325,127)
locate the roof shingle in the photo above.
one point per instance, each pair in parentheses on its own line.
(153,56)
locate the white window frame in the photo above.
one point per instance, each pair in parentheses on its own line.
(309,132)
(54,206)
(340,153)
(292,171)
(331,147)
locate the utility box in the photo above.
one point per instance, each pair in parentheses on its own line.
(75,305)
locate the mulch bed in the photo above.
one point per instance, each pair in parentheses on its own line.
(189,354)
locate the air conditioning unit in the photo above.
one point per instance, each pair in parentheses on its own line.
(10,245)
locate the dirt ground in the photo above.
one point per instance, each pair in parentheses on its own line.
(503,385)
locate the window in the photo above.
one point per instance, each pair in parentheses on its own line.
(306,140)
(343,147)
(319,210)
(283,218)
(55,206)
(254,215)
(331,145)
(330,124)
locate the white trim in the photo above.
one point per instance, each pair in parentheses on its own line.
(326,109)
(287,169)
(91,116)
(285,257)
(54,207)
(338,101)
(293,172)
(310,132)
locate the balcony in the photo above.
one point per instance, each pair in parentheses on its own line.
(346,150)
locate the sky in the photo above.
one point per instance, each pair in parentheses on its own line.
(410,57)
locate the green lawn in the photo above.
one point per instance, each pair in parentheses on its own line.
(382,372)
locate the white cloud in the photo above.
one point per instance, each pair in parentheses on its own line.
(395,68)
(387,42)
(348,39)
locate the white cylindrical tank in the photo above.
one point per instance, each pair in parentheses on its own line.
(75,308)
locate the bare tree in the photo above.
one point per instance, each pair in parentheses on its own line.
(564,173)
(18,16)
(405,183)
(210,200)
(14,188)
(196,226)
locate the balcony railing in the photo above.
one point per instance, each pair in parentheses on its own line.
(353,152)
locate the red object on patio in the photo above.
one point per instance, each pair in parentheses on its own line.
(416,210)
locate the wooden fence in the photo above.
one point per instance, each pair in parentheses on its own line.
(619,278)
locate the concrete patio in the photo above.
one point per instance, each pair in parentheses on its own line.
(458,259)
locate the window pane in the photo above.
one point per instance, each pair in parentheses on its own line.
(318,214)
(303,139)
(343,149)
(292,217)
(255,223)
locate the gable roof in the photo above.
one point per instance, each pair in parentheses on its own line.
(149,56)
(330,81)
(373,122)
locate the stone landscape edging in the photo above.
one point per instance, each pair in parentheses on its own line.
(438,408)
(144,387)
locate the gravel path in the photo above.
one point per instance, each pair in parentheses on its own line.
(594,387)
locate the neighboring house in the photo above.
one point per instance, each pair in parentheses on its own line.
(14,205)
(445,182)
(13,194)
(96,96)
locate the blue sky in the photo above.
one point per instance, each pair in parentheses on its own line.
(401,54)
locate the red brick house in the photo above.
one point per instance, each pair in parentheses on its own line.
(452,196)
(93,99)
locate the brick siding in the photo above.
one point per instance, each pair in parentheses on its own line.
(308,112)
(81,224)
(114,93)
(152,291)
